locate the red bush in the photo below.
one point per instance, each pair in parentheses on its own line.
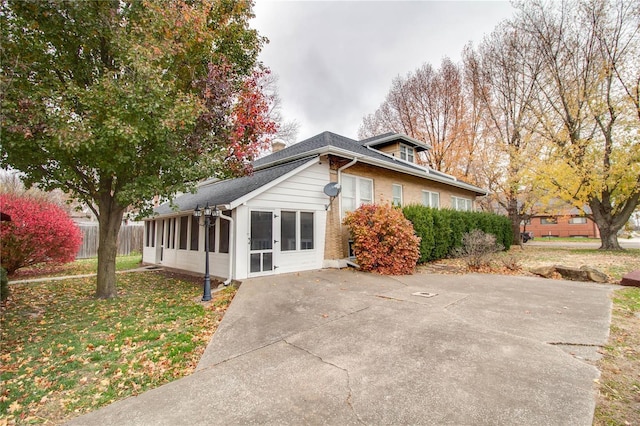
(38,232)
(383,239)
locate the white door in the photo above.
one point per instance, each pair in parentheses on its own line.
(261,241)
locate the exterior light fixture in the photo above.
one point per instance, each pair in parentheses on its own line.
(208,214)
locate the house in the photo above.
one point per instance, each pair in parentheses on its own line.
(283,218)
(562,221)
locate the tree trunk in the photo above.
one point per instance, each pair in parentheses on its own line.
(109,226)
(610,221)
(515,218)
(608,238)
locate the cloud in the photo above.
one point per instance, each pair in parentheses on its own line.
(336,60)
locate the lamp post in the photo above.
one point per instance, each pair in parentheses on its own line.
(208,214)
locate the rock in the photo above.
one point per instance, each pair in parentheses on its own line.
(584,273)
(543,271)
(595,275)
(631,279)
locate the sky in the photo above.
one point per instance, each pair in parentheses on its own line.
(335,60)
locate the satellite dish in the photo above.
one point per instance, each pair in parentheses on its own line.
(332,189)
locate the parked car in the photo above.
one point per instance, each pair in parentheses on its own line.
(526,236)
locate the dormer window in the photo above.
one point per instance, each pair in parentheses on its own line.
(407,153)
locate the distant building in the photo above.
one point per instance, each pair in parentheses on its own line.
(566,222)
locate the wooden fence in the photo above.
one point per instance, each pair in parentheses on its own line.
(129,240)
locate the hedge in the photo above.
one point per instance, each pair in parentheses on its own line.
(441,230)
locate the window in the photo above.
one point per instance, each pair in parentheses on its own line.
(288,231)
(306,231)
(578,220)
(355,192)
(171,228)
(407,153)
(184,224)
(150,229)
(461,204)
(396,191)
(212,235)
(223,243)
(431,199)
(195,233)
(525,222)
(290,223)
(548,221)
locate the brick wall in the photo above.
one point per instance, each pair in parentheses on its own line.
(563,228)
(337,235)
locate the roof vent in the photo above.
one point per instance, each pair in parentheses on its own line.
(278,145)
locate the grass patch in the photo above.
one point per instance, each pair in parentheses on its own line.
(77,267)
(613,263)
(65,353)
(619,391)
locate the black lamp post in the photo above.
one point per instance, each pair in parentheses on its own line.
(208,214)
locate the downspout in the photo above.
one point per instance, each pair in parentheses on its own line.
(354,161)
(231,248)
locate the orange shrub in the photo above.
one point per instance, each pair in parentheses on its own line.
(383,239)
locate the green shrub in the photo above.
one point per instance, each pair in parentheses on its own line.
(422,220)
(383,239)
(442,230)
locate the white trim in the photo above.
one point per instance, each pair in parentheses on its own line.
(358,198)
(409,151)
(397,136)
(430,195)
(239,201)
(393,196)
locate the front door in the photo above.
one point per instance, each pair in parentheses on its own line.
(261,242)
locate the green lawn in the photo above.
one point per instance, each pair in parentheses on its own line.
(65,353)
(619,391)
(78,267)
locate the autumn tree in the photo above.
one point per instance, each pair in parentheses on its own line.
(504,70)
(587,104)
(118,101)
(39,232)
(430,105)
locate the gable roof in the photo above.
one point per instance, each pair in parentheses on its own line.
(225,192)
(270,169)
(331,143)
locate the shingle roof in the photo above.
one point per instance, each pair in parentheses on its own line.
(227,191)
(326,140)
(279,163)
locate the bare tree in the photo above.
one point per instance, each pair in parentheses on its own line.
(431,105)
(504,72)
(287,129)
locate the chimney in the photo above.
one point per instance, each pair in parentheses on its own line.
(278,145)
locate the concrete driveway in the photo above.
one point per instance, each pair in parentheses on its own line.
(344,347)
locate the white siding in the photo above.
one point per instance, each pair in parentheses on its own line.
(301,192)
